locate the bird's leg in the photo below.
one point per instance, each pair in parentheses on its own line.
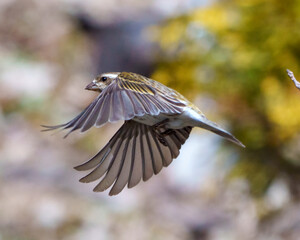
(161,138)
(168,132)
(161,135)
(161,124)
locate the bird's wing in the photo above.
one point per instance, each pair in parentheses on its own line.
(122,100)
(132,154)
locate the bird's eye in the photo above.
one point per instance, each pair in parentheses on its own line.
(103,79)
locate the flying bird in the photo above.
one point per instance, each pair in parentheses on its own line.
(158,121)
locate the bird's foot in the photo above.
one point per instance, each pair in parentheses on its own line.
(162,140)
(161,124)
(161,135)
(168,132)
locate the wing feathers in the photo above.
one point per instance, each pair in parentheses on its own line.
(144,104)
(92,117)
(104,113)
(127,106)
(78,123)
(136,170)
(122,100)
(94,161)
(154,110)
(139,110)
(155,153)
(114,168)
(146,153)
(124,169)
(133,153)
(117,110)
(106,163)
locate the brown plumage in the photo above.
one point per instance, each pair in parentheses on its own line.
(158,120)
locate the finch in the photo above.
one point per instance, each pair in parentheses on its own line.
(157,122)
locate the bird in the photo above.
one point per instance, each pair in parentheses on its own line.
(157,122)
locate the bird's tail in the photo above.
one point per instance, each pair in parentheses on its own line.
(213,127)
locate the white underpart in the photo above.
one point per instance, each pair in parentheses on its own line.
(189,117)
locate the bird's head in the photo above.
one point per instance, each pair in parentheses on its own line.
(102,81)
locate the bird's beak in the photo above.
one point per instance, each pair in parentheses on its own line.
(92,86)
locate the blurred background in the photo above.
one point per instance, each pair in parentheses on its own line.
(229,57)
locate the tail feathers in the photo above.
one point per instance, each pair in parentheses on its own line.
(213,127)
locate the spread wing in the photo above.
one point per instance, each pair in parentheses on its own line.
(123,99)
(132,154)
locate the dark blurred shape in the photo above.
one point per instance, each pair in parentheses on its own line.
(199,232)
(119,46)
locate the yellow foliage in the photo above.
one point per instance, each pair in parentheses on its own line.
(248,3)
(282,107)
(162,77)
(182,78)
(252,170)
(170,35)
(215,18)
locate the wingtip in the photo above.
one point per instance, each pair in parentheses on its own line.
(83,180)
(66,136)
(78,168)
(68,133)
(99,189)
(46,128)
(52,128)
(96,190)
(82,167)
(112,194)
